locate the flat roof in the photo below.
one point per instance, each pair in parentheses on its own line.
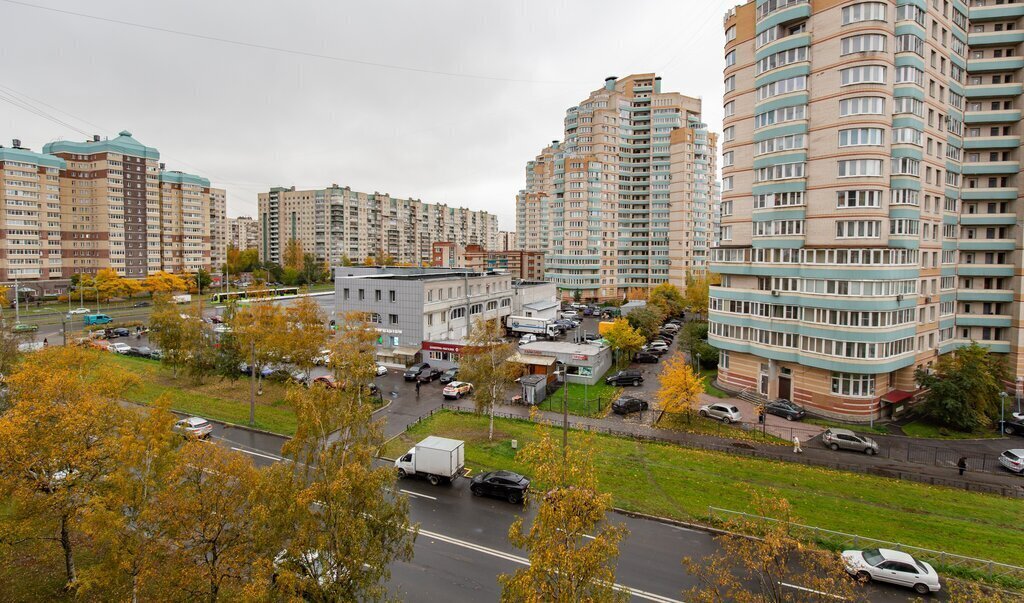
(528,359)
(563,347)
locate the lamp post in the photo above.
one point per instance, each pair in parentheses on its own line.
(565,409)
(1002,411)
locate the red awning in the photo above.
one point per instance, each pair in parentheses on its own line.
(896,396)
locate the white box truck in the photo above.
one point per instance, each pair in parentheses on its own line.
(541,327)
(182,299)
(437,459)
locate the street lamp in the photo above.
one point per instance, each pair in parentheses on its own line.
(564,374)
(1002,411)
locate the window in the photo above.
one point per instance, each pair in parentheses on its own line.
(730,34)
(906,166)
(867,74)
(778,200)
(865,11)
(858,137)
(862,43)
(783,171)
(785,86)
(904,196)
(392,319)
(782,143)
(729,133)
(778,228)
(860,167)
(727,233)
(909,75)
(771,6)
(730,58)
(906,136)
(859,198)
(730,84)
(910,43)
(729,108)
(902,228)
(861,105)
(726,184)
(723,359)
(849,384)
(782,58)
(858,229)
(727,159)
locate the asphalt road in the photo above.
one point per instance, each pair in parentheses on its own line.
(463,547)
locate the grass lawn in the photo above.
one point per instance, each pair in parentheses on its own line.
(865,428)
(709,378)
(707,426)
(681,483)
(924,429)
(595,403)
(218,399)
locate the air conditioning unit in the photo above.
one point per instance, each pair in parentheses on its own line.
(899,297)
(776,293)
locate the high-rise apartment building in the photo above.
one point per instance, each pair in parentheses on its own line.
(336,223)
(185,241)
(218,228)
(850,255)
(243,233)
(30,229)
(505,241)
(603,202)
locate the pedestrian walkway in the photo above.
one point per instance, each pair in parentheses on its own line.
(813,452)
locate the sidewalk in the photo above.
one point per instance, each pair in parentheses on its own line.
(813,452)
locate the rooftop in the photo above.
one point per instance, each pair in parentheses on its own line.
(563,347)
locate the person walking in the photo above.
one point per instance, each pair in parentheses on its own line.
(962,464)
(796,445)
(45,343)
(417,389)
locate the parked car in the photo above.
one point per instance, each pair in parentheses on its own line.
(381,370)
(646,357)
(141,304)
(120,348)
(836,438)
(157,354)
(141,352)
(591,337)
(121,332)
(429,374)
(633,378)
(265,372)
(327,381)
(1014,425)
(895,567)
(570,314)
(528,338)
(322,358)
(723,412)
(671,327)
(449,375)
(1013,460)
(667,339)
(414,371)
(657,350)
(457,389)
(194,427)
(24,327)
(657,344)
(785,409)
(628,404)
(500,484)
(79,311)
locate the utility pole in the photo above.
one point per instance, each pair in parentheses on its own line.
(17,294)
(1002,411)
(252,383)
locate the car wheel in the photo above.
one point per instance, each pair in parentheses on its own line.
(726,420)
(434,480)
(636,382)
(703,413)
(1008,430)
(863,577)
(834,446)
(458,395)
(401,474)
(476,491)
(869,451)
(514,498)
(921,589)
(789,418)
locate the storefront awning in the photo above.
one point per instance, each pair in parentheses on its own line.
(535,360)
(896,396)
(406,351)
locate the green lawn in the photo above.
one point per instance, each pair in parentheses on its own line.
(215,398)
(695,423)
(858,427)
(681,483)
(709,388)
(924,429)
(590,401)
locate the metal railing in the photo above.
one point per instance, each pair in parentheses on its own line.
(840,540)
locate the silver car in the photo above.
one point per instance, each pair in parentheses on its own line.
(194,427)
(836,438)
(724,412)
(1013,460)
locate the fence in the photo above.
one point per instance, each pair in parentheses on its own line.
(841,540)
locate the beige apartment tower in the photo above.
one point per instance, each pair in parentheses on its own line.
(30,228)
(243,233)
(218,229)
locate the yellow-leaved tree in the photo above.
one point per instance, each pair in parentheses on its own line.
(484,363)
(164,282)
(261,332)
(572,548)
(58,440)
(306,333)
(623,339)
(667,297)
(110,284)
(680,387)
(696,293)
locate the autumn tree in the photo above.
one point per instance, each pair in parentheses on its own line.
(109,284)
(759,569)
(164,282)
(572,548)
(306,333)
(292,256)
(680,387)
(260,330)
(963,391)
(484,363)
(647,320)
(624,339)
(668,299)
(696,291)
(58,438)
(178,332)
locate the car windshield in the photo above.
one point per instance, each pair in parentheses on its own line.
(873,557)
(920,566)
(1011,456)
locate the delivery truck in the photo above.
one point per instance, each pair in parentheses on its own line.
(182,299)
(436,459)
(521,325)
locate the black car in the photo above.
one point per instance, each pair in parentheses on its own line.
(141,352)
(428,374)
(414,371)
(785,409)
(628,404)
(500,484)
(646,357)
(625,378)
(449,375)
(1014,424)
(120,332)
(141,304)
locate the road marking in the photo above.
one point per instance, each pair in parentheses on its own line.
(411,493)
(811,590)
(524,561)
(260,454)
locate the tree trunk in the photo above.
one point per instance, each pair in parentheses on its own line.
(69,556)
(252,391)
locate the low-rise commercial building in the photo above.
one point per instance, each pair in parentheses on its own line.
(583,362)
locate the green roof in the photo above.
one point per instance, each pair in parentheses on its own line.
(27,156)
(123,144)
(183,178)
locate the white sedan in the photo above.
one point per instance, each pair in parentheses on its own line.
(79,311)
(886,565)
(120,348)
(382,370)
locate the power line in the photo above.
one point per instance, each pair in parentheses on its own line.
(303,53)
(25,106)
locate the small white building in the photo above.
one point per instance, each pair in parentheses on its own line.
(583,362)
(536,299)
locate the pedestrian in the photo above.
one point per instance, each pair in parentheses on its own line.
(45,343)
(796,444)
(417,389)
(962,464)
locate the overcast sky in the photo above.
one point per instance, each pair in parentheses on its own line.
(463,93)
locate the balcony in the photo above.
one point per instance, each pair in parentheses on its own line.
(996,12)
(986,244)
(995,64)
(988,194)
(992,142)
(991,167)
(995,38)
(983,320)
(987,219)
(993,117)
(985,270)
(984,295)
(994,90)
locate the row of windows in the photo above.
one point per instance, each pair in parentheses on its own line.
(816,345)
(830,257)
(823,316)
(778,228)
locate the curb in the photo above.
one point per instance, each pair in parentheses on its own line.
(676,522)
(949,441)
(224,424)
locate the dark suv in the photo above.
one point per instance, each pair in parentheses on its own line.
(628,404)
(414,371)
(625,378)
